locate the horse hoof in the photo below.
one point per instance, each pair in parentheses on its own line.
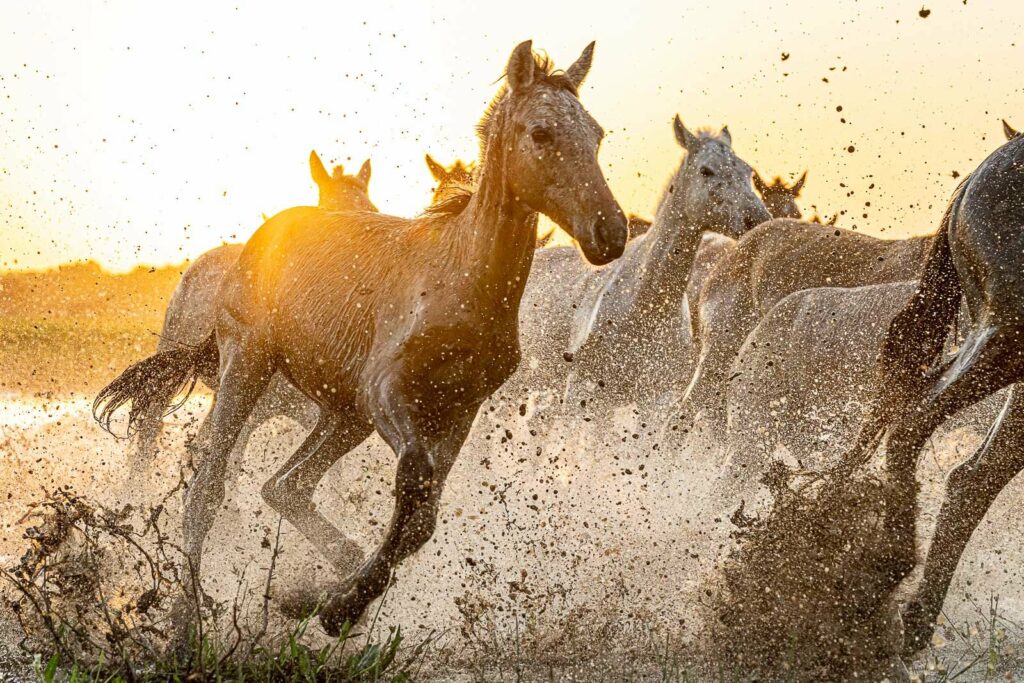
(179,643)
(344,608)
(917,628)
(301,602)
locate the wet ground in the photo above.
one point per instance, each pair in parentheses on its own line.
(567,545)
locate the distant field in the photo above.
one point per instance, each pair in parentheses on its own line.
(70,355)
(73,328)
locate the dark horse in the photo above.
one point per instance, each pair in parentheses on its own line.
(192,311)
(403,326)
(977,256)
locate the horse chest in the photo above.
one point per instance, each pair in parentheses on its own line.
(454,363)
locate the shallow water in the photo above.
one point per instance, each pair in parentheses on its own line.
(545,539)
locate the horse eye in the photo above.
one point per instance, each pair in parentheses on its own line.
(706,172)
(541,136)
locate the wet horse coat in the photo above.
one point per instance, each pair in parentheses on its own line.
(621,334)
(392,325)
(192,312)
(978,255)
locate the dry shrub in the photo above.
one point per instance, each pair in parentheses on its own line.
(91,583)
(93,592)
(807,595)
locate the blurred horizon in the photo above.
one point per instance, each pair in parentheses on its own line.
(145,135)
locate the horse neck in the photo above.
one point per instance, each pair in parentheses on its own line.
(497,236)
(669,251)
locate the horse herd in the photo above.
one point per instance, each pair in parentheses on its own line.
(726,300)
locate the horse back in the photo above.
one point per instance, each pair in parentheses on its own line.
(793,255)
(192,311)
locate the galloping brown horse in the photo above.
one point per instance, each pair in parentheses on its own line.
(395,325)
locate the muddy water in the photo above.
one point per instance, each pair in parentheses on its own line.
(548,536)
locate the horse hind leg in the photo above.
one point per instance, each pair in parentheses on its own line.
(987,362)
(993,366)
(290,490)
(246,371)
(971,488)
(974,346)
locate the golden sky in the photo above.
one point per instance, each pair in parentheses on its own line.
(149,132)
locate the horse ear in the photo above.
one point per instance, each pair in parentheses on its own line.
(798,185)
(520,66)
(684,137)
(725,135)
(364,172)
(759,184)
(581,67)
(1009,131)
(317,170)
(436,170)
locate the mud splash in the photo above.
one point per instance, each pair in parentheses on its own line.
(808,595)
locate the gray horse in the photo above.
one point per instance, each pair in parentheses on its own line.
(192,312)
(621,333)
(399,326)
(769,263)
(804,377)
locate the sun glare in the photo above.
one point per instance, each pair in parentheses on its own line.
(140,135)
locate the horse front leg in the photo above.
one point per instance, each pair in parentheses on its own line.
(427,445)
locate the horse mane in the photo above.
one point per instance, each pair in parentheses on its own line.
(338,174)
(708,133)
(544,72)
(452,206)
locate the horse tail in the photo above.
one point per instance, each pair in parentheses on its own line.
(148,383)
(918,333)
(915,339)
